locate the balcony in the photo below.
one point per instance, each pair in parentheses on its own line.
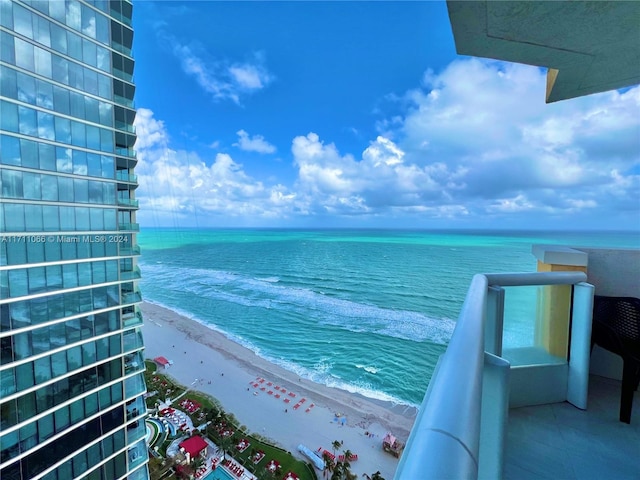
(129,251)
(121,48)
(128,227)
(126,152)
(127,202)
(125,176)
(492,411)
(131,297)
(132,274)
(125,127)
(124,101)
(132,340)
(131,317)
(128,77)
(133,363)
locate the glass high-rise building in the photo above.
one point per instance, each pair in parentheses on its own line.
(71,382)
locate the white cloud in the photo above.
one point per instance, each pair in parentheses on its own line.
(257,143)
(475,145)
(179,186)
(506,151)
(250,77)
(220,78)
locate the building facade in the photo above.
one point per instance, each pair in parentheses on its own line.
(71,370)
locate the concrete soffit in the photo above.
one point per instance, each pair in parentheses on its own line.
(587,46)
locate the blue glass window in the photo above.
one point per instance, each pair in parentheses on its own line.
(26,88)
(24,55)
(28,125)
(47,155)
(89,53)
(12,184)
(42,62)
(79,162)
(63,161)
(58,38)
(63,131)
(29,151)
(7,47)
(42,33)
(33,217)
(78,135)
(73,16)
(10,150)
(45,126)
(61,101)
(9,118)
(22,21)
(60,69)
(44,96)
(8,82)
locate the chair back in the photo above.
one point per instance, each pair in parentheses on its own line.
(616,324)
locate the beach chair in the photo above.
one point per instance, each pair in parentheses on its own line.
(616,328)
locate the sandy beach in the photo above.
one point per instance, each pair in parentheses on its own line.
(209,362)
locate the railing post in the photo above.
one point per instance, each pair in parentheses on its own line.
(495,321)
(495,414)
(580,348)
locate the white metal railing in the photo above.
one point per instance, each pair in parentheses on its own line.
(445,439)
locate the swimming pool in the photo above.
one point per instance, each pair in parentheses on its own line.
(219,474)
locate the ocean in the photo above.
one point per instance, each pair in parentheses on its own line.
(368,311)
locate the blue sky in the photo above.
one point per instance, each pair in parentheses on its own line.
(361,114)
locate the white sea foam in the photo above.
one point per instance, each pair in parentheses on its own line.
(269,279)
(333,381)
(320,373)
(354,316)
(367,368)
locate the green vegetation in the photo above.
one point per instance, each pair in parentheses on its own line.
(219,422)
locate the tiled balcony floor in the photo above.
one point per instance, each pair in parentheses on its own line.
(560,441)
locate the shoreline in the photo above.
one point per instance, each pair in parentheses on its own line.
(231,371)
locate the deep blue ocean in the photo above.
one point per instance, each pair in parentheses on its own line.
(368,311)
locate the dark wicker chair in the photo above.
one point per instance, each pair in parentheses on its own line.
(616,328)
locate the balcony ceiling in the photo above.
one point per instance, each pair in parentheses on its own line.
(588,46)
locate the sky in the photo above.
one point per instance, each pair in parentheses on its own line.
(361,115)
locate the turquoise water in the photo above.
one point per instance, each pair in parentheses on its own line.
(369,311)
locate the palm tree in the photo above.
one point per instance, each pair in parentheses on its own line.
(196,462)
(345,465)
(329,463)
(336,445)
(337,475)
(224,445)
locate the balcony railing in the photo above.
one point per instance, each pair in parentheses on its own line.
(132,340)
(125,176)
(125,101)
(119,16)
(133,363)
(121,48)
(123,75)
(129,251)
(128,202)
(125,127)
(131,318)
(461,427)
(133,227)
(132,274)
(126,152)
(131,297)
